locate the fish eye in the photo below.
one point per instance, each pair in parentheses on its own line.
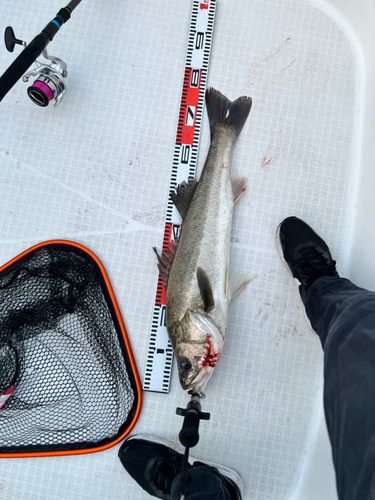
(185,364)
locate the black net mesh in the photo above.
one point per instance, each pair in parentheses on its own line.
(62,348)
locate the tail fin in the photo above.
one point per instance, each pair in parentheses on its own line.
(221,111)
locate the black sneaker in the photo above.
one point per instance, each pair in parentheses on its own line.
(305,253)
(154,462)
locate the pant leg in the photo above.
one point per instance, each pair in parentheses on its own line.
(202,483)
(343,316)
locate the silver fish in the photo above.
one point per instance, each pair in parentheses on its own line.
(195,268)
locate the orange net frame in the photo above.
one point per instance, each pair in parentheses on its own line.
(67,373)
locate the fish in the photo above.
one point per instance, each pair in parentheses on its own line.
(194,268)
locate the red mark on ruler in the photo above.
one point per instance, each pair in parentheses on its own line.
(160,291)
(204,5)
(171,233)
(188,109)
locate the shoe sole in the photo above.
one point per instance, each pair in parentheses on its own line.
(225,471)
(296,280)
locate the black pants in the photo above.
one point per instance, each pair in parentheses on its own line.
(343,316)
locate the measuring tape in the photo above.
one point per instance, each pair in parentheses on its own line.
(160,352)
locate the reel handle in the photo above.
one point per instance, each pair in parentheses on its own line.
(22,63)
(11,40)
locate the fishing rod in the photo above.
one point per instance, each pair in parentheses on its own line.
(50,82)
(189,435)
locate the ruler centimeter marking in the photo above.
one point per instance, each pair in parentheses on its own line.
(160,353)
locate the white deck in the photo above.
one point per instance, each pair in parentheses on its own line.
(96,171)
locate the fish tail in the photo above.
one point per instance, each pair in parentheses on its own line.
(222,111)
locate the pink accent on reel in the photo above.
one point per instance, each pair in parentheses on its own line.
(44,88)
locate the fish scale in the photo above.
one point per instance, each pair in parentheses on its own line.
(160,353)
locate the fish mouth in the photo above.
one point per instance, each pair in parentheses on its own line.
(197,380)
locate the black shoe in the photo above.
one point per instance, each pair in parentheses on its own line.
(154,462)
(305,253)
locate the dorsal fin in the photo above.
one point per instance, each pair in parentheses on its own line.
(183,195)
(205,289)
(165,261)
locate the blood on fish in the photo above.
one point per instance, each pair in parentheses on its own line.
(210,357)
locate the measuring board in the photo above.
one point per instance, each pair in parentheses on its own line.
(160,352)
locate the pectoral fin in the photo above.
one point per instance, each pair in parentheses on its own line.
(205,289)
(183,195)
(237,283)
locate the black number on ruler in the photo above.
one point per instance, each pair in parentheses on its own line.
(163,316)
(199,40)
(185,153)
(190,113)
(176,229)
(194,80)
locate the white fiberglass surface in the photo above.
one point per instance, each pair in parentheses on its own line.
(96,170)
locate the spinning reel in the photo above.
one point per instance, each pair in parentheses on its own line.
(49,84)
(50,81)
